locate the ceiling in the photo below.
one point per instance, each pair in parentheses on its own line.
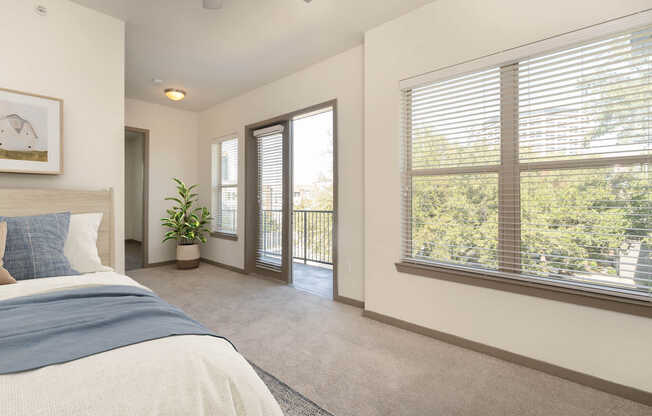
(218,54)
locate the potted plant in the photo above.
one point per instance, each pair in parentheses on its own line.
(187,225)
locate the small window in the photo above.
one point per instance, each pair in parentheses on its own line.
(225,186)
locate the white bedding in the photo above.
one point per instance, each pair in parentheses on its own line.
(181,375)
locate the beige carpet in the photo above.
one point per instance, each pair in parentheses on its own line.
(351,365)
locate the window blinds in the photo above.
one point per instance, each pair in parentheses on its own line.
(269,252)
(455,123)
(452,130)
(537,169)
(586,102)
(227,189)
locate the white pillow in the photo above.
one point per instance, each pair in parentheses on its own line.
(81,245)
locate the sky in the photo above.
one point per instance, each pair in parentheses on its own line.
(313,148)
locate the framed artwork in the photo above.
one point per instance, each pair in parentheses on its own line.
(31,133)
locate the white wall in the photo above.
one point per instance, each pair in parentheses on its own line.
(605,344)
(78,55)
(173,137)
(338,77)
(134,171)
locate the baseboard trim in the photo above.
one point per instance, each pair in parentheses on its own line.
(597,383)
(159,264)
(223,266)
(349,301)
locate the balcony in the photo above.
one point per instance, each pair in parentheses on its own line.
(312,248)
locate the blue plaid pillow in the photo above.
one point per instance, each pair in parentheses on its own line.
(34,246)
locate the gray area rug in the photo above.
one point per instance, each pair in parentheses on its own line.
(292,403)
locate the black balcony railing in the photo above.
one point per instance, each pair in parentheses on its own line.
(312,235)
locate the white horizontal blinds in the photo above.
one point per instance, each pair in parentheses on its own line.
(228,187)
(589,101)
(451,156)
(537,170)
(456,123)
(585,142)
(270,198)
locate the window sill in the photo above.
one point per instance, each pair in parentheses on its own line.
(224,236)
(529,288)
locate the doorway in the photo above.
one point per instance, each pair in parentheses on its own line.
(312,201)
(136,201)
(291,199)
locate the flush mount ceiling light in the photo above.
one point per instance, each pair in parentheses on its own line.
(212,4)
(175,94)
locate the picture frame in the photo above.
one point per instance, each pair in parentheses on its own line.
(31,133)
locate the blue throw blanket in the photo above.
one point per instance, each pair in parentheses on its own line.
(57,327)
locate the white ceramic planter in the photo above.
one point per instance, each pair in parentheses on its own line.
(188,256)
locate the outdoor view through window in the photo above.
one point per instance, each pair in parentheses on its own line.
(313,162)
(539,168)
(313,202)
(225,191)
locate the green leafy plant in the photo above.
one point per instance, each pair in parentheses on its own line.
(187,224)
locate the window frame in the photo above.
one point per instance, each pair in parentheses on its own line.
(217,186)
(509,176)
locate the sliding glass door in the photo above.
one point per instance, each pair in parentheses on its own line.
(292,226)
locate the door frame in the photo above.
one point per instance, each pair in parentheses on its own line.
(251,188)
(145,133)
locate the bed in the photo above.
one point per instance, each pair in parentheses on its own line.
(173,375)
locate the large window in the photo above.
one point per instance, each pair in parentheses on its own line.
(536,170)
(225,186)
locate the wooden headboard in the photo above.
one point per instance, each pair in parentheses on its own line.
(15,202)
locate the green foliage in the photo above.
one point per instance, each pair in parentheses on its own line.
(455,218)
(321,195)
(186,224)
(573,221)
(582,220)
